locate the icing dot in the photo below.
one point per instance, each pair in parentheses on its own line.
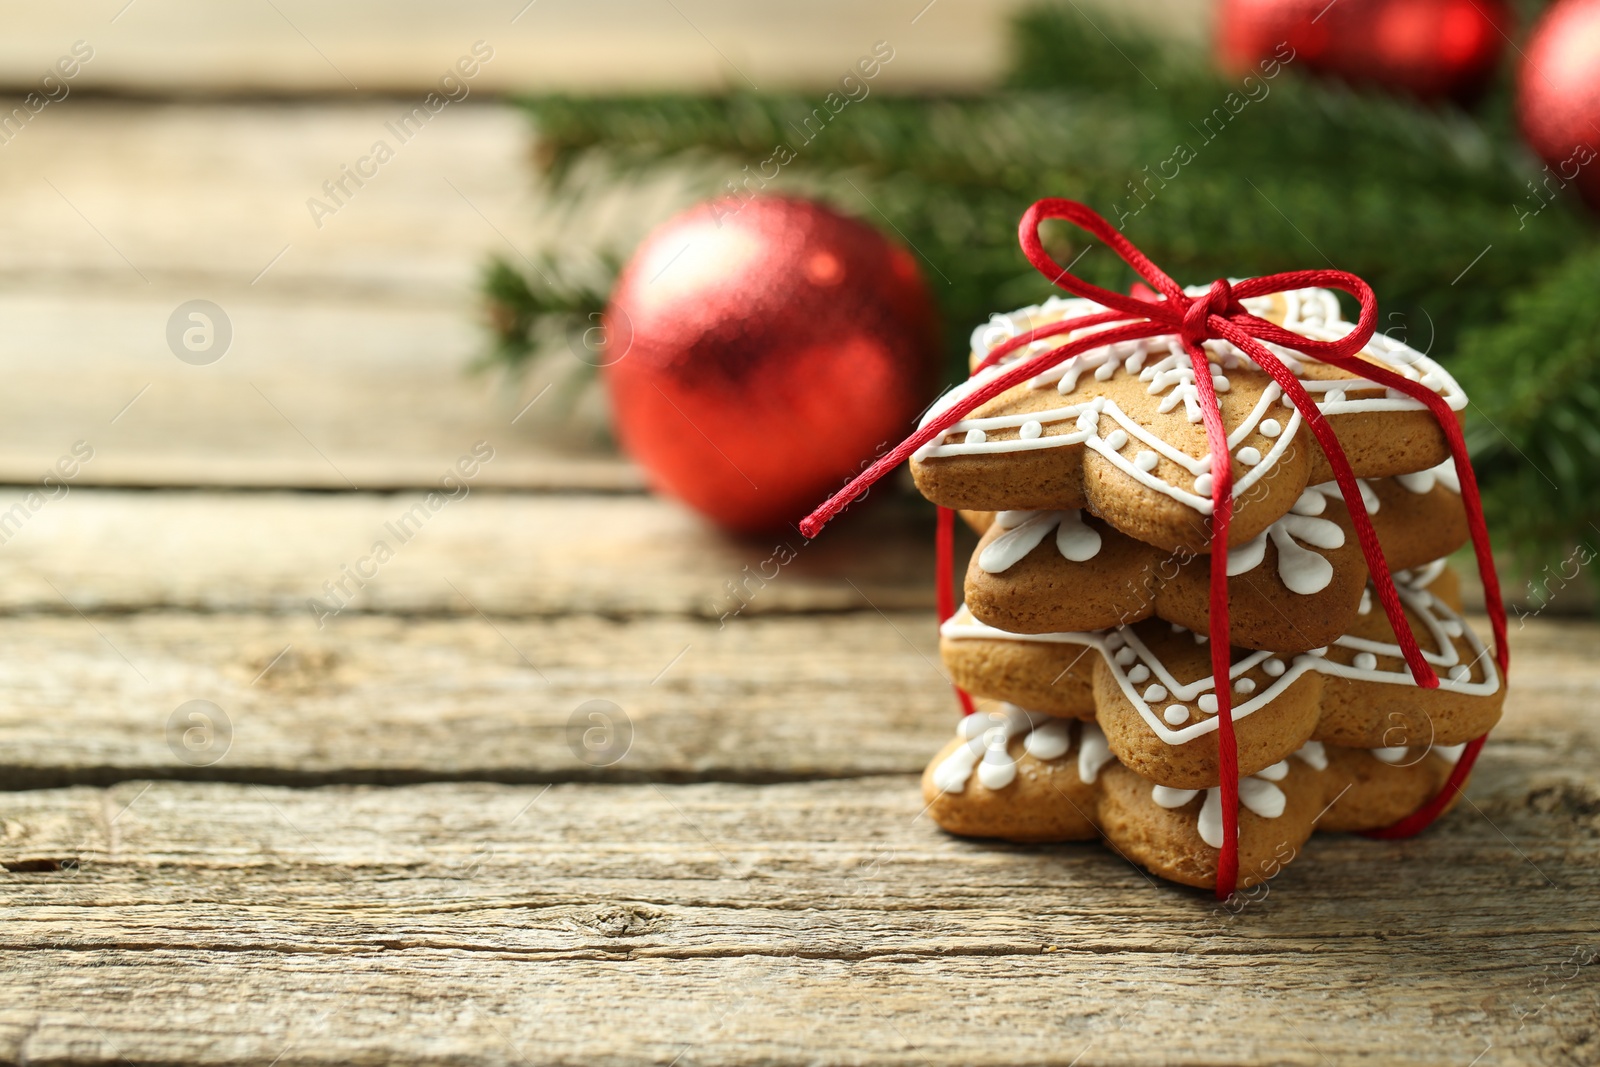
(1274,668)
(1245,686)
(1030,430)
(1125,656)
(1337,396)
(1200,638)
(1208,703)
(1309,502)
(1249,456)
(1176,714)
(1271,427)
(1275,773)
(1114,640)
(976,437)
(1138,673)
(1168,797)
(1145,460)
(1202,485)
(1116,439)
(1088,422)
(1460,673)
(1155,693)
(1452,628)
(1366,661)
(1323,651)
(1220,384)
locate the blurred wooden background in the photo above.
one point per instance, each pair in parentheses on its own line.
(298,46)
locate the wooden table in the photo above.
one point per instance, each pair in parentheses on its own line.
(401,851)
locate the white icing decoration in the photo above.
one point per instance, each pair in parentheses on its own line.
(1249,456)
(998,769)
(1208,703)
(1030,430)
(1261,797)
(1424,481)
(986,736)
(976,437)
(1116,439)
(1432,614)
(1146,460)
(1300,569)
(1450,753)
(1094,752)
(1391,754)
(1176,714)
(1025,530)
(1049,740)
(1313,755)
(1161,363)
(1274,773)
(1366,660)
(1168,797)
(1244,686)
(1138,673)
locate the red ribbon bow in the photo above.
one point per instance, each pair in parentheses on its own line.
(1219,314)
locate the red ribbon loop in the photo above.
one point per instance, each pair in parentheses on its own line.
(1219,314)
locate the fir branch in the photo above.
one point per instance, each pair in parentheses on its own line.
(1534,423)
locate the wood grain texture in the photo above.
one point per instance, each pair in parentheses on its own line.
(352,334)
(378,699)
(790,923)
(506,555)
(384,699)
(192,47)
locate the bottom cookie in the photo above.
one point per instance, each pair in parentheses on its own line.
(1027,777)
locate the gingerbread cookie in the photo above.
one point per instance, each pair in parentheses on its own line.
(1149,686)
(1296,586)
(1026,777)
(1117,430)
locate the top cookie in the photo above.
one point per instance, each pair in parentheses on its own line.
(1117,430)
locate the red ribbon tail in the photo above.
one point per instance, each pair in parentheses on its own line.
(944,541)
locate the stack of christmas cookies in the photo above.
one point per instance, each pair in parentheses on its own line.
(1083,636)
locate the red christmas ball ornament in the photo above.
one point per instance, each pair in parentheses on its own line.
(1431,49)
(1558,96)
(756,350)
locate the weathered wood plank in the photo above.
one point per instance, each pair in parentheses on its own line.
(375,699)
(368,394)
(502,554)
(123,197)
(194,47)
(773,924)
(383,699)
(352,333)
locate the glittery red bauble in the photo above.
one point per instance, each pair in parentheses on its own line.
(1428,48)
(1558,95)
(757,351)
